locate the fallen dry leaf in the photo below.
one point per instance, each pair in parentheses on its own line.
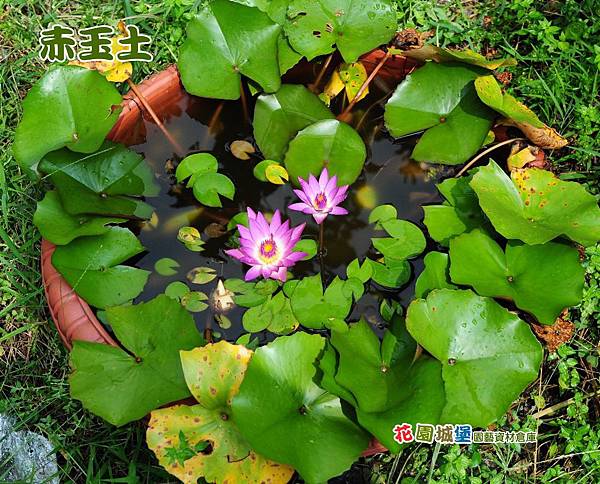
(242,149)
(555,334)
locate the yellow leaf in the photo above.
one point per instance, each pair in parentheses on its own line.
(334,86)
(354,76)
(241,149)
(520,158)
(115,70)
(276,174)
(367,197)
(544,137)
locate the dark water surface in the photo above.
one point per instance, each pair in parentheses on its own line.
(395,178)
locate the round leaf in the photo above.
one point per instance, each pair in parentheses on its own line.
(392,273)
(488,354)
(208,187)
(166,266)
(331,144)
(279,399)
(308,246)
(69,106)
(406,240)
(440,99)
(176,290)
(435,275)
(196,164)
(279,116)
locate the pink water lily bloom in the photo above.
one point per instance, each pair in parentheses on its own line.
(320,198)
(268,247)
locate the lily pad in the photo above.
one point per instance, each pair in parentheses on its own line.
(279,116)
(145,376)
(371,370)
(313,307)
(308,246)
(406,240)
(488,354)
(166,266)
(435,275)
(536,206)
(274,314)
(421,400)
(60,228)
(208,187)
(90,266)
(230,458)
(229,40)
(459,213)
(69,106)
(327,144)
(279,399)
(195,165)
(390,273)
(522,274)
(441,99)
(355,27)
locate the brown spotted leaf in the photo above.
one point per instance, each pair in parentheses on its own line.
(556,334)
(179,435)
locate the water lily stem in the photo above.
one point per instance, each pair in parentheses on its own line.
(322,250)
(365,85)
(176,146)
(483,153)
(244,102)
(208,334)
(314,87)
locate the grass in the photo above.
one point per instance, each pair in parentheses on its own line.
(558,47)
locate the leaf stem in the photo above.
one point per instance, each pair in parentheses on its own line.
(314,87)
(365,85)
(208,334)
(483,153)
(176,146)
(322,250)
(244,102)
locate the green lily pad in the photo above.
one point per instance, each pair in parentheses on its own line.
(279,399)
(208,187)
(362,272)
(371,370)
(459,213)
(355,27)
(145,376)
(230,458)
(308,246)
(536,206)
(421,400)
(274,314)
(441,99)
(193,301)
(104,183)
(60,228)
(229,40)
(176,290)
(435,275)
(406,240)
(488,354)
(279,116)
(90,266)
(166,266)
(328,143)
(390,273)
(382,213)
(312,307)
(540,279)
(69,106)
(195,165)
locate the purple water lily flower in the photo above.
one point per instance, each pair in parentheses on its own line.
(320,198)
(268,247)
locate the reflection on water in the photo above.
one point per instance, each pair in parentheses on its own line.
(389,171)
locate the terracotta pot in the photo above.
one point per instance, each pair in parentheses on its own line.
(72,316)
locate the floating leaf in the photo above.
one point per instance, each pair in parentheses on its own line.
(327,143)
(145,376)
(536,206)
(382,213)
(459,213)
(371,370)
(260,170)
(308,246)
(361,272)
(223,321)
(355,27)
(241,149)
(278,117)
(276,174)
(390,273)
(406,240)
(522,274)
(189,235)
(312,306)
(421,398)
(238,219)
(388,308)
(231,459)
(228,40)
(466,56)
(249,294)
(69,106)
(166,266)
(208,187)
(102,183)
(435,275)
(201,275)
(275,314)
(442,100)
(176,290)
(60,228)
(488,354)
(366,196)
(278,399)
(193,301)
(490,93)
(193,166)
(90,266)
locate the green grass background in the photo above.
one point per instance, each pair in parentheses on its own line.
(557,44)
